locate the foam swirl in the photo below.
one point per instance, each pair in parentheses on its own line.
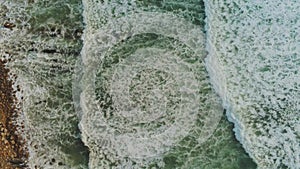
(144,89)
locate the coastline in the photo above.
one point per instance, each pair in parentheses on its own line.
(13,154)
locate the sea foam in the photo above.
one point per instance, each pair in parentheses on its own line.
(254,65)
(41,52)
(144,86)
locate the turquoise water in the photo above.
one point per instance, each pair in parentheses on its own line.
(45,59)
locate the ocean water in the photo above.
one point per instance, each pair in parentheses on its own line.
(117,84)
(256,50)
(43,48)
(146,99)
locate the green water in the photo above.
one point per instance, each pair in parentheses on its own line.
(220,151)
(49,62)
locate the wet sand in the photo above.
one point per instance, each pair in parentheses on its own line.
(13,153)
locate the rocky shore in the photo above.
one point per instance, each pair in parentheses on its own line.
(13,154)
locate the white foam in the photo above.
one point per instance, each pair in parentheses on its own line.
(253,62)
(44,79)
(117,138)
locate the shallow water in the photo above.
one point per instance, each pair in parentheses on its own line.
(256,52)
(146,80)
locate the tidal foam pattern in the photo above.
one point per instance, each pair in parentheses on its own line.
(144,85)
(41,50)
(254,60)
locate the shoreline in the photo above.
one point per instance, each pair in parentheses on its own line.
(13,154)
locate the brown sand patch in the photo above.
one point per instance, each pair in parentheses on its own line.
(13,153)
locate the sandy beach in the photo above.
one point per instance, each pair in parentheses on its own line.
(13,154)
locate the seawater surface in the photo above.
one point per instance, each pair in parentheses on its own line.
(132,91)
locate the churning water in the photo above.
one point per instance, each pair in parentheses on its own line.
(124,84)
